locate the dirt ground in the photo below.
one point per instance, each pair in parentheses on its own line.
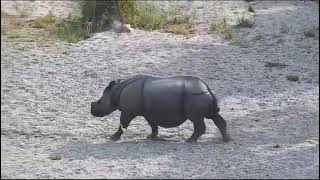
(47,85)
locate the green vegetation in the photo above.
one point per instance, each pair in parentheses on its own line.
(46,22)
(3,31)
(140,15)
(292,77)
(178,22)
(144,15)
(98,15)
(221,26)
(177,29)
(228,33)
(70,28)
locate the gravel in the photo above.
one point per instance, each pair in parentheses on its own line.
(47,130)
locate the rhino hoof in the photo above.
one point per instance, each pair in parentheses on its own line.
(114,138)
(154,138)
(190,140)
(226,138)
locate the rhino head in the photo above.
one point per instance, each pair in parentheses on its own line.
(105,105)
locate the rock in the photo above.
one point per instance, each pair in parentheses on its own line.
(55,157)
(276,146)
(89,73)
(274,64)
(309,33)
(127,28)
(118,27)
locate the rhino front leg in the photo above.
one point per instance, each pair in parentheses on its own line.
(125,120)
(116,136)
(199,129)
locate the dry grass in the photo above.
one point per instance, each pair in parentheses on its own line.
(221,26)
(177,29)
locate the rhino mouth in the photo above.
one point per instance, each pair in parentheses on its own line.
(97,112)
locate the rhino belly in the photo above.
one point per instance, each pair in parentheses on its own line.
(163,102)
(167,121)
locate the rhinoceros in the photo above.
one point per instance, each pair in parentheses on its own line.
(165,102)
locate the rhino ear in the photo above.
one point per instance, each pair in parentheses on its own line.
(112,84)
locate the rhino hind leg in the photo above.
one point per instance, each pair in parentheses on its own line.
(199,129)
(154,134)
(222,125)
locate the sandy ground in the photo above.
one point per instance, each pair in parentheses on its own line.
(47,86)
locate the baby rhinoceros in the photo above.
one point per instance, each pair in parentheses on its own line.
(166,102)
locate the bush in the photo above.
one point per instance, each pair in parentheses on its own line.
(3,31)
(146,16)
(221,26)
(71,28)
(99,14)
(244,23)
(177,29)
(95,17)
(46,22)
(292,77)
(138,15)
(228,32)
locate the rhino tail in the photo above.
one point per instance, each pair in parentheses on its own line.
(215,108)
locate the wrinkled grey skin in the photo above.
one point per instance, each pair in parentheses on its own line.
(165,102)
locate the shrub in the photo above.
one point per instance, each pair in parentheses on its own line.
(71,28)
(46,22)
(292,77)
(218,25)
(221,26)
(146,16)
(186,20)
(244,23)
(97,14)
(3,31)
(228,32)
(177,29)
(140,15)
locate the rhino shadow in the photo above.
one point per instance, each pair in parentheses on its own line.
(136,149)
